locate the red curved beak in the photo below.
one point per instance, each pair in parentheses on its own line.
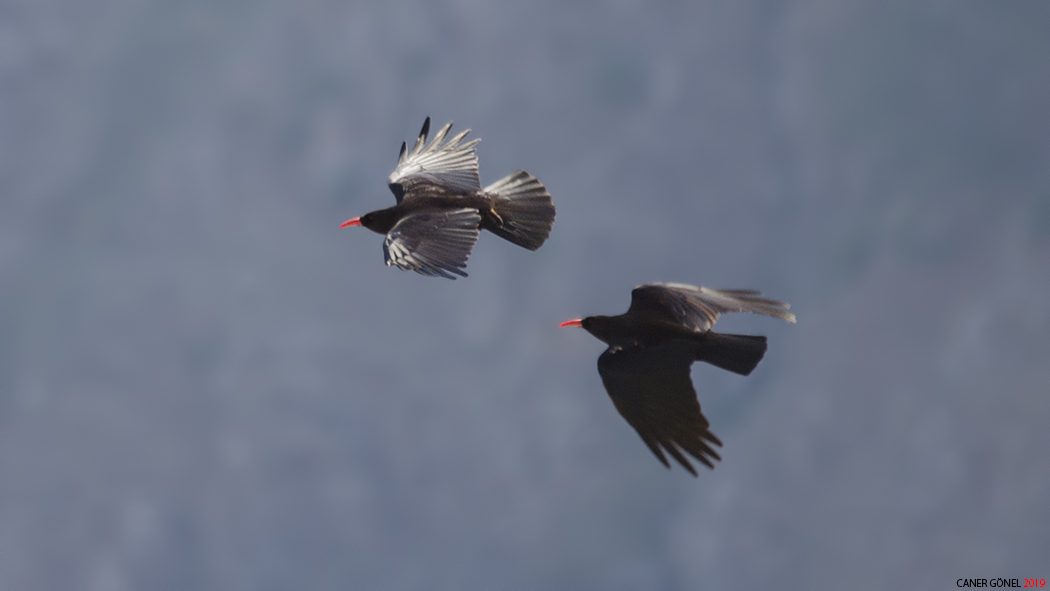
(353,222)
(573,322)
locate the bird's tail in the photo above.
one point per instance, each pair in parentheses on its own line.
(734,352)
(524,205)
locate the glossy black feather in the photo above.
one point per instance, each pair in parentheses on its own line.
(652,390)
(698,308)
(434,243)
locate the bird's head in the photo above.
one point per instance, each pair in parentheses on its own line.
(380,221)
(596,325)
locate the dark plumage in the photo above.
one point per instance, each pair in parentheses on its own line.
(441,207)
(651,348)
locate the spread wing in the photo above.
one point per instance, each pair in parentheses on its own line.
(651,388)
(699,307)
(451,165)
(433,243)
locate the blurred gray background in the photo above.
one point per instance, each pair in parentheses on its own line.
(206,384)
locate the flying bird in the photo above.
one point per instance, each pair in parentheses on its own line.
(651,348)
(441,207)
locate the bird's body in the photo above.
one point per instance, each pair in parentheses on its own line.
(645,370)
(441,207)
(645,328)
(436,199)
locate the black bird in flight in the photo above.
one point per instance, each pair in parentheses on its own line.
(651,348)
(441,207)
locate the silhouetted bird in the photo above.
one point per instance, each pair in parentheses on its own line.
(441,207)
(651,348)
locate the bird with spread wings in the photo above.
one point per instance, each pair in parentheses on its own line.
(652,346)
(441,207)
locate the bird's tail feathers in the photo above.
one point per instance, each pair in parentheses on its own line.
(525,207)
(734,352)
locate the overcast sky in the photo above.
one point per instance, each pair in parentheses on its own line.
(206,384)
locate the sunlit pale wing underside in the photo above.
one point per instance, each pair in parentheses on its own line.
(435,243)
(699,307)
(451,165)
(651,387)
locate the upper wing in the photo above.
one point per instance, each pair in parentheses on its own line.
(699,307)
(650,386)
(435,243)
(451,165)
